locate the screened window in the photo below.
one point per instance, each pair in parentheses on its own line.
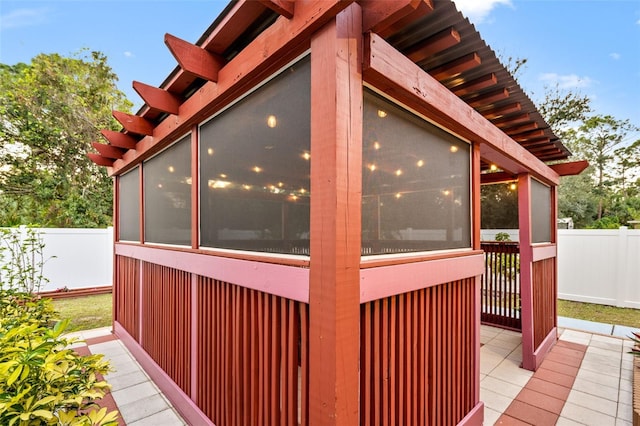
(540,212)
(416,183)
(167,195)
(254,168)
(129,206)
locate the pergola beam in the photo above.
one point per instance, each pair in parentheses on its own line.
(500,112)
(107,151)
(157,98)
(473,86)
(488,98)
(195,59)
(380,16)
(119,139)
(281,7)
(100,160)
(134,123)
(437,43)
(456,67)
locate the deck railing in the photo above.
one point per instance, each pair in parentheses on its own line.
(501,285)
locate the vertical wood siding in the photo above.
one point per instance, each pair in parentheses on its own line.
(544,299)
(418,356)
(126,299)
(166,323)
(252,356)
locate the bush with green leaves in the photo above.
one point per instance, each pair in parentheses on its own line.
(42,380)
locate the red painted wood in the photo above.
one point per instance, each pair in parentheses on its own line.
(119,139)
(134,123)
(378,16)
(571,168)
(107,151)
(374,282)
(194,59)
(526,277)
(425,343)
(488,98)
(441,41)
(389,69)
(287,281)
(423,8)
(158,98)
(336,149)
(472,86)
(100,160)
(281,7)
(126,301)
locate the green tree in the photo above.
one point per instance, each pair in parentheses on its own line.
(50,112)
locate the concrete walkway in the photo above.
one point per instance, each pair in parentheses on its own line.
(585,380)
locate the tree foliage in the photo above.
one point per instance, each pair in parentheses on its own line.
(50,112)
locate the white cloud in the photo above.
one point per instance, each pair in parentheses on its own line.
(129,54)
(23,18)
(615,55)
(638,22)
(478,10)
(568,81)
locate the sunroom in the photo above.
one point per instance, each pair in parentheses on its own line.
(297,215)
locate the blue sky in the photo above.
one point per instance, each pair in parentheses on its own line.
(589,46)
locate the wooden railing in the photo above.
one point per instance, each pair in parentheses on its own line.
(418,356)
(501,285)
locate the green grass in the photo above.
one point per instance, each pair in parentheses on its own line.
(599,313)
(85,312)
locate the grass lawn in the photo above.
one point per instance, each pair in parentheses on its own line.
(599,313)
(85,312)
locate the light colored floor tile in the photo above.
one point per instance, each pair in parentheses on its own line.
(625,397)
(596,389)
(511,373)
(600,378)
(620,422)
(140,409)
(592,365)
(124,381)
(489,361)
(134,393)
(110,348)
(496,349)
(626,385)
(494,400)
(491,416)
(563,421)
(163,418)
(576,337)
(500,386)
(586,416)
(611,361)
(625,412)
(608,353)
(593,402)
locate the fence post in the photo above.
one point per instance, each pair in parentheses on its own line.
(621,279)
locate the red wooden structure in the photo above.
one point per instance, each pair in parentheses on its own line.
(263,273)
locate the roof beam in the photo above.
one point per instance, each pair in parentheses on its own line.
(195,59)
(134,123)
(281,7)
(108,151)
(511,120)
(496,177)
(437,43)
(385,17)
(100,160)
(520,129)
(523,137)
(384,66)
(501,111)
(473,86)
(119,139)
(488,98)
(456,67)
(157,98)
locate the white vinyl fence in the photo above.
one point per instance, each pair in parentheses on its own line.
(595,266)
(77,258)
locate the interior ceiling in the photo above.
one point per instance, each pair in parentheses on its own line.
(436,37)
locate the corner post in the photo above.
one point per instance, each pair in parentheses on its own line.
(526,266)
(336,187)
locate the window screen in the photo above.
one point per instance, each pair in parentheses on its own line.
(129,206)
(540,212)
(416,183)
(254,167)
(167,195)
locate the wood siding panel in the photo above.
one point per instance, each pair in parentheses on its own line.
(418,356)
(126,294)
(166,337)
(252,356)
(544,299)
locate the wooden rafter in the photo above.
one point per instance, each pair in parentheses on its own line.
(100,160)
(423,8)
(496,177)
(107,151)
(281,7)
(523,137)
(511,120)
(520,128)
(134,123)
(473,86)
(456,67)
(195,59)
(501,111)
(119,139)
(378,16)
(437,43)
(488,98)
(157,98)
